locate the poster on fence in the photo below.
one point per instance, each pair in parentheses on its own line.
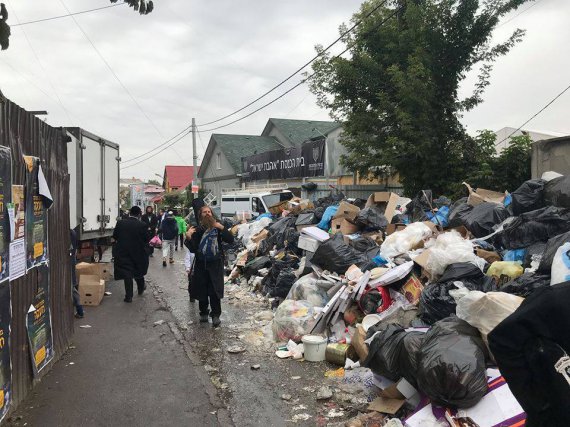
(5,200)
(19,205)
(38,323)
(36,215)
(5,361)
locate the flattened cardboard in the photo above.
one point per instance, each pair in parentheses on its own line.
(386,406)
(347,210)
(358,343)
(483,195)
(392,228)
(262,235)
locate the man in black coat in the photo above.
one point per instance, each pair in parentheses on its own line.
(208,273)
(130,252)
(151,221)
(531,348)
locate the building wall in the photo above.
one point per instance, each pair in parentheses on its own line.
(503,134)
(551,155)
(277,134)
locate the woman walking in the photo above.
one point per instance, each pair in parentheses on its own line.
(207,284)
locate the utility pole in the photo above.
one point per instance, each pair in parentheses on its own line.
(194,154)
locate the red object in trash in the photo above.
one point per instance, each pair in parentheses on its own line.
(375,300)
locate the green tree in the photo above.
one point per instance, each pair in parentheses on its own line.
(144,7)
(154,182)
(513,166)
(172,199)
(397,89)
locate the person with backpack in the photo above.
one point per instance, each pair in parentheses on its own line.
(207,283)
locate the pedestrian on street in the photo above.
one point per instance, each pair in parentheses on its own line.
(182,228)
(205,242)
(159,219)
(75,292)
(151,220)
(169,229)
(130,252)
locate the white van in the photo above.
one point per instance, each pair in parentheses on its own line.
(254,200)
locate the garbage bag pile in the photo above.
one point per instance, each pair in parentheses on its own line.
(410,287)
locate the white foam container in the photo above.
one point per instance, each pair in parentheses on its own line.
(315,348)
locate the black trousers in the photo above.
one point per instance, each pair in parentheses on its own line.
(129,286)
(215,306)
(181,236)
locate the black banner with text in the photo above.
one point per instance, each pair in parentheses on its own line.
(297,162)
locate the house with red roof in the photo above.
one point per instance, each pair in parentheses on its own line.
(177,177)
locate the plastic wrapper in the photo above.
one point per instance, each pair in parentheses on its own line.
(384,350)
(533,255)
(405,240)
(550,251)
(485,311)
(441,217)
(310,288)
(437,303)
(325,222)
(411,344)
(533,227)
(557,192)
(526,284)
(371,219)
(450,248)
(528,197)
(247,231)
(483,217)
(561,265)
(451,364)
(505,271)
(292,320)
(336,256)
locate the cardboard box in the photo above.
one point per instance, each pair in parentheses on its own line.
(392,228)
(104,270)
(422,261)
(307,243)
(91,289)
(482,195)
(376,236)
(341,225)
(277,208)
(347,210)
(262,235)
(386,202)
(412,290)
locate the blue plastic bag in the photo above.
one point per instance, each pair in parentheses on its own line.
(508,200)
(264,215)
(441,217)
(325,223)
(515,255)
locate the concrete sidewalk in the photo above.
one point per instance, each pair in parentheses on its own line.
(124,371)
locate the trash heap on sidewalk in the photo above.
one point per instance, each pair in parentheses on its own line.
(401,294)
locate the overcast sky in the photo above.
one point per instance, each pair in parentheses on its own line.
(206,59)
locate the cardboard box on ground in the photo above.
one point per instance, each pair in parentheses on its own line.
(91,279)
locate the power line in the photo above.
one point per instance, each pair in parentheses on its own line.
(158,147)
(520,13)
(321,53)
(535,115)
(65,16)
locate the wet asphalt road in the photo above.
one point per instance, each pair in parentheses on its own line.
(253,397)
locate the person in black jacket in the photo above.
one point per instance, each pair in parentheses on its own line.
(151,221)
(130,252)
(169,230)
(531,348)
(208,273)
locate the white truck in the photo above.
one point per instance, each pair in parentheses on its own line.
(254,200)
(93,165)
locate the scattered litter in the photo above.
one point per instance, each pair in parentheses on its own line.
(107,293)
(324,393)
(301,417)
(337,373)
(236,349)
(286,397)
(159,322)
(255,367)
(85,326)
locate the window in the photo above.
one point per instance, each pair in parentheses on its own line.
(218,160)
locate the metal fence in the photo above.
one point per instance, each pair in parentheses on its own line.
(350,191)
(27,135)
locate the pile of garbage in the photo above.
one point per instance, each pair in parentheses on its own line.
(409,289)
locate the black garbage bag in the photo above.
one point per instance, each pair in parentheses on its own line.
(363,244)
(435,301)
(408,357)
(359,203)
(309,186)
(266,245)
(283,283)
(289,239)
(419,205)
(399,219)
(441,202)
(525,285)
(482,218)
(319,212)
(557,192)
(371,219)
(533,227)
(551,247)
(279,227)
(451,364)
(384,351)
(336,256)
(255,265)
(534,253)
(528,197)
(457,213)
(337,196)
(288,263)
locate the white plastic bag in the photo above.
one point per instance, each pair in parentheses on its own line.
(450,248)
(561,265)
(485,311)
(405,240)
